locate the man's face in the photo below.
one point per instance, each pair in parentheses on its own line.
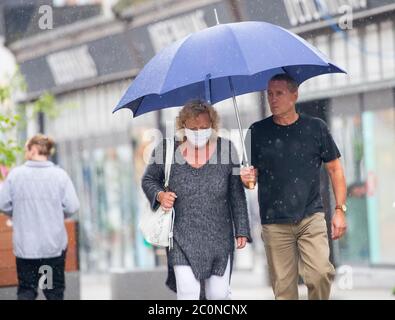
(281,99)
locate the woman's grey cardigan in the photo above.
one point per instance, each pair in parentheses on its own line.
(210,209)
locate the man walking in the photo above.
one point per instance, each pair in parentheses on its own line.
(287,150)
(39,196)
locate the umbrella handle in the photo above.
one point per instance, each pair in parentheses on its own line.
(251,185)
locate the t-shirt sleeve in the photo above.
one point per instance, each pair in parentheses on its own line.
(328,147)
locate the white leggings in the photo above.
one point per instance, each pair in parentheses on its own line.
(188,287)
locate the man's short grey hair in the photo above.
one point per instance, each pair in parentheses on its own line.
(291,82)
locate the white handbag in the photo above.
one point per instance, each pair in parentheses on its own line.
(157,226)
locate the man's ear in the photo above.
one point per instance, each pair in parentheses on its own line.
(33,150)
(296,95)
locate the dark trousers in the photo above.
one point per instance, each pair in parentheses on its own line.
(30,277)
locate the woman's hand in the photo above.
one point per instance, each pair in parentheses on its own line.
(166,199)
(241,242)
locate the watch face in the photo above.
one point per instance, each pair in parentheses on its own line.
(344,208)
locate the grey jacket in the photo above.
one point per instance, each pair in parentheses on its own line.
(38,196)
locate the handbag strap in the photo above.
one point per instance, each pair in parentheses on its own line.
(169,159)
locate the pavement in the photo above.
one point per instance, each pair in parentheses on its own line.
(246,285)
(244,288)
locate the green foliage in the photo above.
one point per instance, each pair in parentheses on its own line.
(124,4)
(8,152)
(9,148)
(11,121)
(7,123)
(4,94)
(46,104)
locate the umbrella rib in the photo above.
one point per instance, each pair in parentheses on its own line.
(241,51)
(187,38)
(171,64)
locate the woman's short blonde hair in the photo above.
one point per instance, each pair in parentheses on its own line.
(45,144)
(192,109)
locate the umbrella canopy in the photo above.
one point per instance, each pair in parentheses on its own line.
(218,62)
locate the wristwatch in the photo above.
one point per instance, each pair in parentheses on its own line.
(341,207)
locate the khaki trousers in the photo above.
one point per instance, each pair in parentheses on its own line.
(294,249)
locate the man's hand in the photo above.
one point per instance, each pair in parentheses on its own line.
(335,170)
(166,199)
(339,225)
(241,242)
(248,176)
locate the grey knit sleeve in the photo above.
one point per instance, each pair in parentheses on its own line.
(153,178)
(238,201)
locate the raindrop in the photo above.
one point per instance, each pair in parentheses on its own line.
(278,143)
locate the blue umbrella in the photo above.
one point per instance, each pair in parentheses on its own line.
(220,62)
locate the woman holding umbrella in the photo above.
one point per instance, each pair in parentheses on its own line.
(209,201)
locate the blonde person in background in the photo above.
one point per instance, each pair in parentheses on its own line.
(38,196)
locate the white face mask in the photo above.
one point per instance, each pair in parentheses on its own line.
(199,137)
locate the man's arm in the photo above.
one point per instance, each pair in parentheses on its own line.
(336,173)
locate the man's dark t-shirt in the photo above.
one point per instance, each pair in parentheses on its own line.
(288,159)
